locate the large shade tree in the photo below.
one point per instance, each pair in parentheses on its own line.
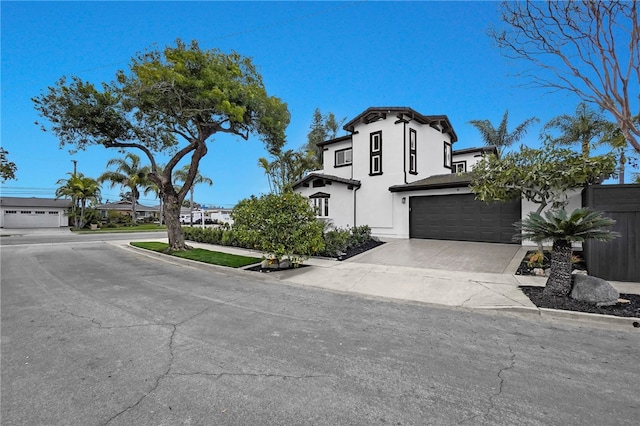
(181,175)
(590,48)
(171,103)
(501,137)
(129,173)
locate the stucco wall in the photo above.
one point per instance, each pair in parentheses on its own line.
(329,160)
(340,203)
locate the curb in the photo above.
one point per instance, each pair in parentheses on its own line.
(572,315)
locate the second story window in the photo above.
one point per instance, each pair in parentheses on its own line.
(344,157)
(375,166)
(447,155)
(459,167)
(413,151)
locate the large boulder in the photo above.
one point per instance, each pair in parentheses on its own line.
(593,290)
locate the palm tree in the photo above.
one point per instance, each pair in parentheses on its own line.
(181,176)
(500,137)
(581,128)
(130,174)
(564,229)
(287,167)
(81,190)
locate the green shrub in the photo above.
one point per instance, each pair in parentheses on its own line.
(280,225)
(359,235)
(336,242)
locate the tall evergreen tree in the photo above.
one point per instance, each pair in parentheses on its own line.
(323,127)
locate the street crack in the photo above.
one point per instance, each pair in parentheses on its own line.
(499,391)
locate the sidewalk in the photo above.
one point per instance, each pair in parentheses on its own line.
(450,288)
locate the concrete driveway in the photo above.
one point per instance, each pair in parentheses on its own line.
(448,255)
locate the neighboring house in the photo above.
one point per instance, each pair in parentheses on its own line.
(221,215)
(397,172)
(124,207)
(17,212)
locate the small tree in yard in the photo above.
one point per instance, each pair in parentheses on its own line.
(542,176)
(564,229)
(284,225)
(179,95)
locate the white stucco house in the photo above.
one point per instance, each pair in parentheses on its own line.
(398,172)
(33,212)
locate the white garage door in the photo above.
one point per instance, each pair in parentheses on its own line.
(32,219)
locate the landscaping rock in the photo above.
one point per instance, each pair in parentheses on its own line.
(593,290)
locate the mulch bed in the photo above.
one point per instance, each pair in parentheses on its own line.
(525,269)
(631,309)
(259,268)
(360,249)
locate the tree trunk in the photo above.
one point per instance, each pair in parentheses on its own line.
(559,282)
(172,220)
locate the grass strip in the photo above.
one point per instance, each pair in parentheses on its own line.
(201,255)
(123,229)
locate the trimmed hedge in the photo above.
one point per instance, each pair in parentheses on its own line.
(337,241)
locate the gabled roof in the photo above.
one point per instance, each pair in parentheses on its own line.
(449,180)
(34,202)
(314,175)
(375,113)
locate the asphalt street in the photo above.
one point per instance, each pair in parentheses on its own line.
(97,334)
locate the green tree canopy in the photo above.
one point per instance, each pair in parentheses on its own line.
(130,174)
(323,127)
(7,168)
(169,102)
(500,136)
(82,191)
(584,128)
(286,168)
(542,176)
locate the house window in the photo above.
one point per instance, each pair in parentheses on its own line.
(11,212)
(343,157)
(447,155)
(320,203)
(39,212)
(413,152)
(321,206)
(52,212)
(459,167)
(376,153)
(25,212)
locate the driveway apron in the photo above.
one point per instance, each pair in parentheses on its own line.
(461,256)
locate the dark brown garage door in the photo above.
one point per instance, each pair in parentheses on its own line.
(461,217)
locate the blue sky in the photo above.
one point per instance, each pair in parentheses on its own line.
(341,57)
